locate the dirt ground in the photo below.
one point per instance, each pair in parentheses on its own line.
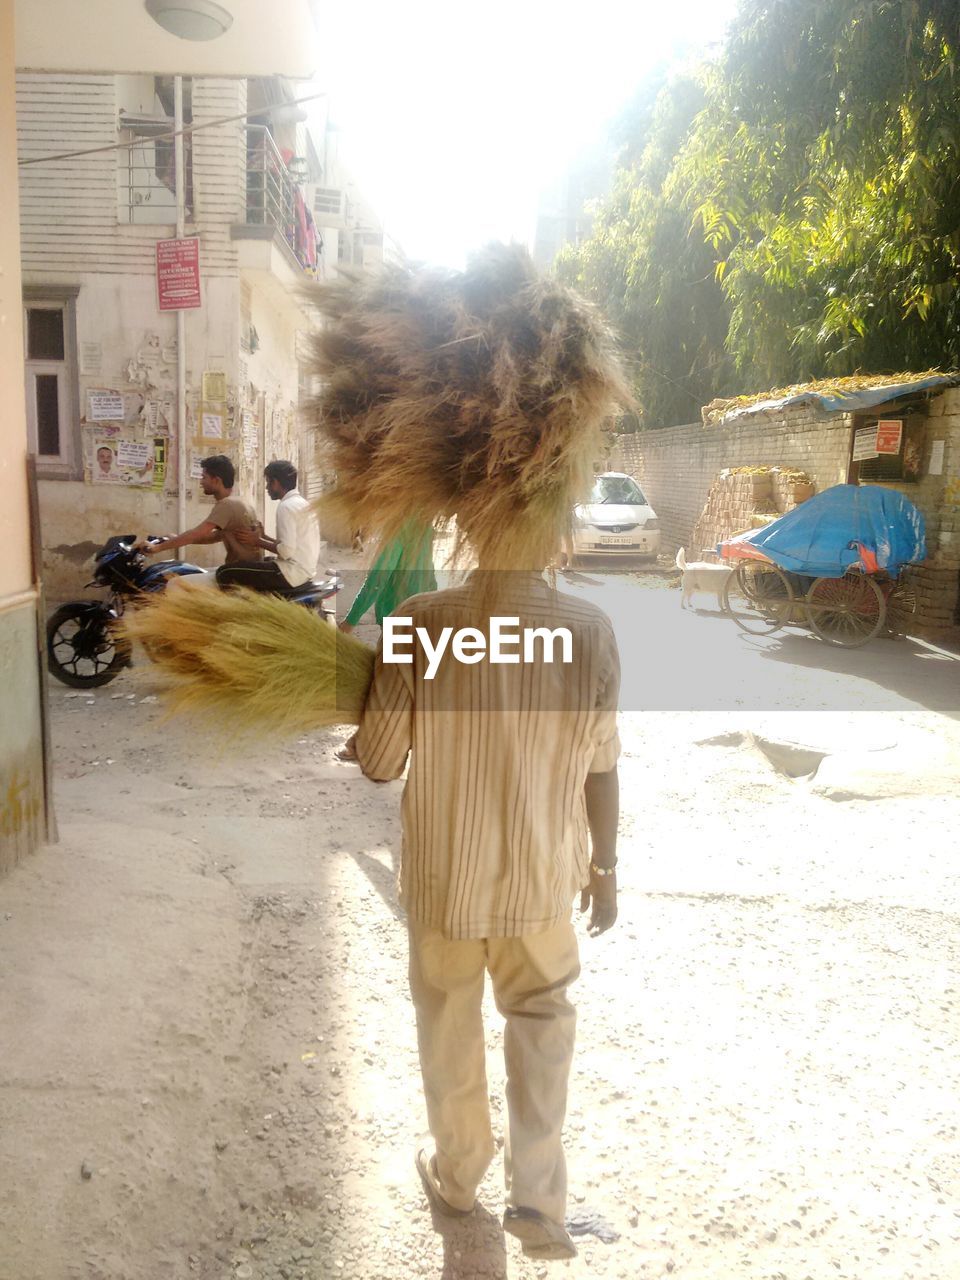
(209,1066)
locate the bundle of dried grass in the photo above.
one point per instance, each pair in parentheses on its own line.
(717,410)
(480,395)
(253,664)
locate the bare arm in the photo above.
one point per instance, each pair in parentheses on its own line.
(602,793)
(206,532)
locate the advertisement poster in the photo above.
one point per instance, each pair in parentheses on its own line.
(160,446)
(178,274)
(889,435)
(135,454)
(137,464)
(864,443)
(250,435)
(214,387)
(211,425)
(91,359)
(104,406)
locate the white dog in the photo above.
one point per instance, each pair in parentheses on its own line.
(701,576)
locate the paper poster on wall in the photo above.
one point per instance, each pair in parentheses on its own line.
(214,386)
(936,458)
(134,453)
(250,435)
(864,443)
(91,358)
(889,435)
(211,425)
(150,414)
(195,468)
(119,461)
(104,406)
(160,445)
(104,469)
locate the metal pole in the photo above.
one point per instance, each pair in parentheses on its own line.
(180,185)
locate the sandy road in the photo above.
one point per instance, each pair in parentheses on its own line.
(205,1003)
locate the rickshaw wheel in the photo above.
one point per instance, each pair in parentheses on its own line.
(846,611)
(758,597)
(901,607)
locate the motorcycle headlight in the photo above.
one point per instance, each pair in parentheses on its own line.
(652,524)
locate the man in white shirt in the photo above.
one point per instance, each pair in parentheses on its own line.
(296,547)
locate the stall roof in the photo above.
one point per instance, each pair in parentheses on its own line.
(832,395)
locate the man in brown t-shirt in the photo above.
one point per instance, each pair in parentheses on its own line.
(217,476)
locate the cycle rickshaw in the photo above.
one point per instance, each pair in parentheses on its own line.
(833,564)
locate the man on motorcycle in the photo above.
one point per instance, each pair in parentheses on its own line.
(296,547)
(229,517)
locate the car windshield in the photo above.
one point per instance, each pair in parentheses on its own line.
(620,490)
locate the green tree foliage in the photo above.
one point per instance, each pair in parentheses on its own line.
(651,269)
(819,177)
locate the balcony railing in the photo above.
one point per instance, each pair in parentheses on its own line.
(275,200)
(147,180)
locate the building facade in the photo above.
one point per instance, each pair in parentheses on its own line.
(53,36)
(100,356)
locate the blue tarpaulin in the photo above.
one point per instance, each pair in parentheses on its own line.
(814,538)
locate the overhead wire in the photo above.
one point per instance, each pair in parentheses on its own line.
(173,133)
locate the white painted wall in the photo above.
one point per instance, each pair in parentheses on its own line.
(74,234)
(70,209)
(96,36)
(14,525)
(118,315)
(271,386)
(21,753)
(119,35)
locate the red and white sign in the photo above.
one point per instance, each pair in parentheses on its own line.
(178,274)
(889,435)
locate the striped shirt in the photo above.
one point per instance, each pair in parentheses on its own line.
(495,837)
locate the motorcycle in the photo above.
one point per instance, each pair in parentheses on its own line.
(84,646)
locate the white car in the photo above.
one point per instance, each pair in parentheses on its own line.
(617,521)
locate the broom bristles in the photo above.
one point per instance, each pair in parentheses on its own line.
(253,664)
(478,395)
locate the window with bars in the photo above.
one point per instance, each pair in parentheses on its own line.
(50,369)
(148,172)
(902,467)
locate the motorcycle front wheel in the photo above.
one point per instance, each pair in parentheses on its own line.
(82,650)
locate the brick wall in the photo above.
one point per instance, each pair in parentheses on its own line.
(677,465)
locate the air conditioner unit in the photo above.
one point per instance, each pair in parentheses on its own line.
(326,204)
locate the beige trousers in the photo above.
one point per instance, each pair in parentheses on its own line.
(530,976)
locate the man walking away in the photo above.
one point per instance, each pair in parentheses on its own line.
(296,547)
(510,766)
(230,516)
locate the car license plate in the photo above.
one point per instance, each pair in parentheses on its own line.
(609,541)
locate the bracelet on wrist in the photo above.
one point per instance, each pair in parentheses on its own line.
(603,871)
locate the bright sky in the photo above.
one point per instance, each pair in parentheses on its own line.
(453,117)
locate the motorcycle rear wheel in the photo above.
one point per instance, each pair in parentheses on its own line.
(82,652)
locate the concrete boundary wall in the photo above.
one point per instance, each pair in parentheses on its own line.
(677,465)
